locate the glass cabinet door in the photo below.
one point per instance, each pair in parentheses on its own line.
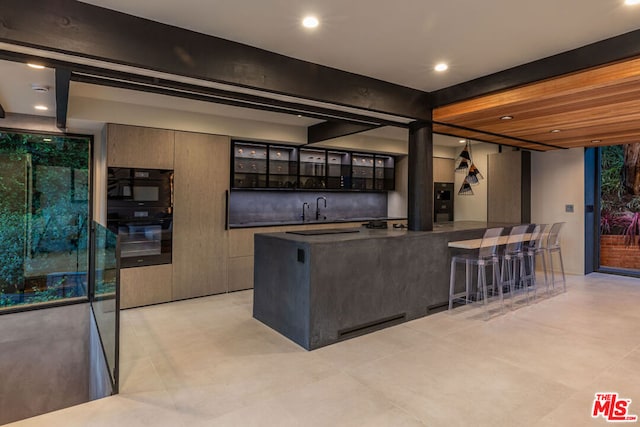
(250,165)
(313,168)
(339,170)
(283,167)
(362,166)
(384,172)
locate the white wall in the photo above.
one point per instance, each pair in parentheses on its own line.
(397,200)
(557,179)
(445,152)
(473,208)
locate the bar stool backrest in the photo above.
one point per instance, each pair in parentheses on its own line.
(489,244)
(553,241)
(516,238)
(538,235)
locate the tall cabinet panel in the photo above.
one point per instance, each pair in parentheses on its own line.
(139,147)
(509,187)
(201,177)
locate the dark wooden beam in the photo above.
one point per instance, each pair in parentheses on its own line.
(2,114)
(335,129)
(93,32)
(592,55)
(183,90)
(63,79)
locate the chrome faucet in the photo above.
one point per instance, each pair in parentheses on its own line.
(318,206)
(304,216)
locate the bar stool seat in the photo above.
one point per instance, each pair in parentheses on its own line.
(485,257)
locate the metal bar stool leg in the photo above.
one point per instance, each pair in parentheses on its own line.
(564,280)
(452,283)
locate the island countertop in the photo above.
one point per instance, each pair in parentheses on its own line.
(363,233)
(320,289)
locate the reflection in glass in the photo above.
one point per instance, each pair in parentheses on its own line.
(104,300)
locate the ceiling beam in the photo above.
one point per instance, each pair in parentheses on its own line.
(199,93)
(88,31)
(2,113)
(592,55)
(63,79)
(335,129)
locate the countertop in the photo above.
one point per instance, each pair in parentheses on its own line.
(366,233)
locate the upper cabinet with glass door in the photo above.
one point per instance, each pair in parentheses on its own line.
(384,172)
(259,165)
(362,166)
(283,166)
(313,169)
(338,170)
(250,165)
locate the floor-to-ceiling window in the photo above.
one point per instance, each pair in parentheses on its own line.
(44,217)
(620,208)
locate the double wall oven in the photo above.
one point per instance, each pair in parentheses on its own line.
(140,211)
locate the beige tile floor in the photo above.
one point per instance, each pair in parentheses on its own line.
(207,362)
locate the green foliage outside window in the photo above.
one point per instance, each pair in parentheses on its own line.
(43,217)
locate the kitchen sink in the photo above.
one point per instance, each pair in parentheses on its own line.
(322,232)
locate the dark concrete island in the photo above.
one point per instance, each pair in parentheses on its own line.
(320,288)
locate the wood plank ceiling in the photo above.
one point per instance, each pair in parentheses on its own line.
(599,106)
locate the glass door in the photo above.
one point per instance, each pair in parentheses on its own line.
(313,169)
(249,165)
(339,170)
(362,166)
(283,167)
(619,231)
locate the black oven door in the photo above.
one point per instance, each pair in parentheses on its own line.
(139,187)
(145,239)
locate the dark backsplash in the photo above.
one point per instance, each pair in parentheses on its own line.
(274,206)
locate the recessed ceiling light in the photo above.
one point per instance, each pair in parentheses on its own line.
(46,139)
(36,66)
(310,22)
(555,130)
(299,115)
(462,141)
(441,67)
(41,107)
(631,2)
(506,117)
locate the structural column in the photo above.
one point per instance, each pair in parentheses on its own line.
(420,200)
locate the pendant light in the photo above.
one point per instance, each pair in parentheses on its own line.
(465,165)
(466,189)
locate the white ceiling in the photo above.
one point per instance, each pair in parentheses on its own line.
(16,93)
(401,41)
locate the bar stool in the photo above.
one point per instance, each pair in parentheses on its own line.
(532,250)
(486,256)
(553,245)
(512,268)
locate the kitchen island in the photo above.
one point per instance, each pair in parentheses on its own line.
(320,288)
